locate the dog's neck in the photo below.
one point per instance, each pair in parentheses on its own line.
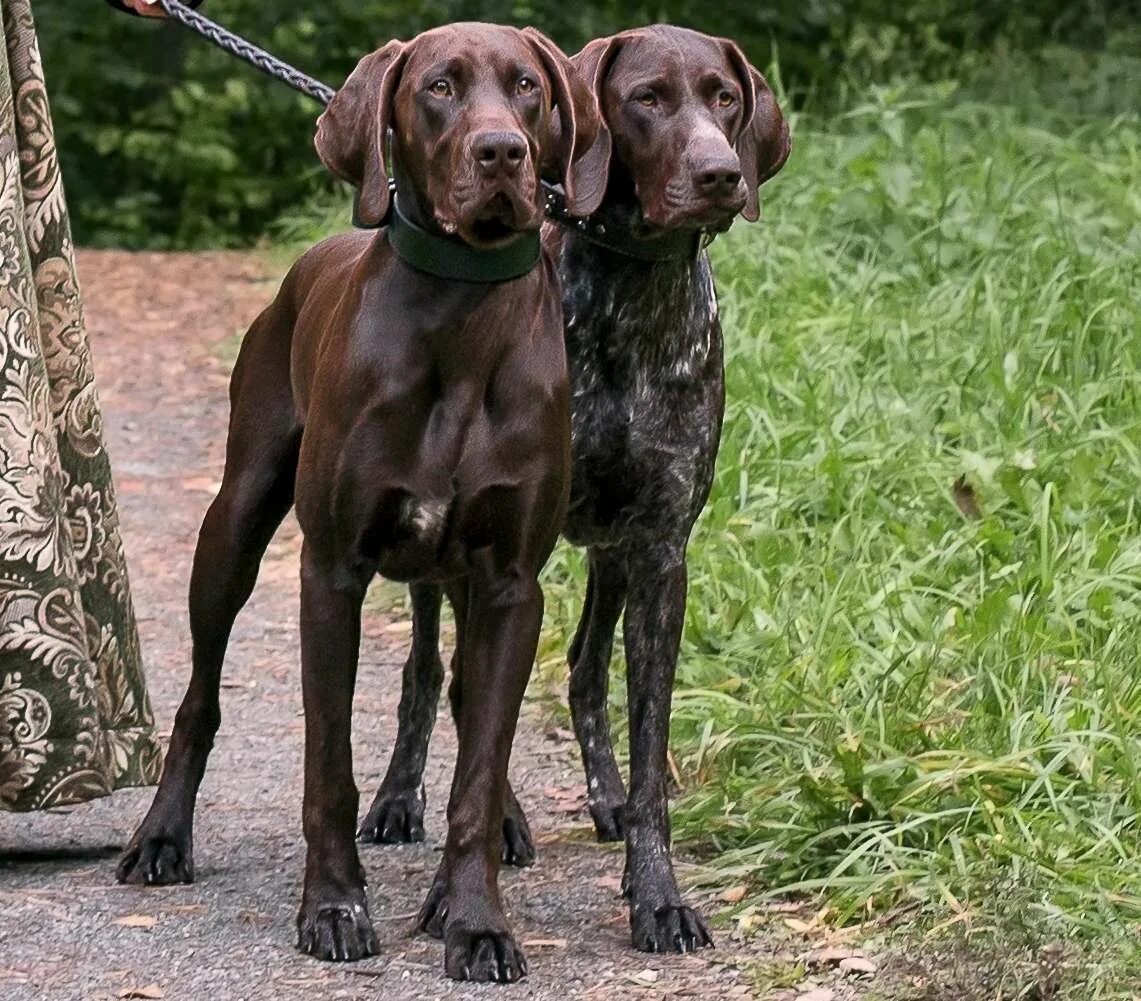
(420,242)
(415,205)
(635,318)
(619,228)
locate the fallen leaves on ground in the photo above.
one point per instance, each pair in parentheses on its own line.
(847,961)
(398,627)
(201,484)
(827,956)
(560,735)
(966,500)
(567,799)
(149,993)
(254,919)
(644,978)
(136,921)
(817,994)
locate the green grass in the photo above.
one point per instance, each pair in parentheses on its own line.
(916,703)
(885,700)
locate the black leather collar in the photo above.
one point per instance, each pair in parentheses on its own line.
(616,236)
(449,257)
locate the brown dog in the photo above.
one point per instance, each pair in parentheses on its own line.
(696,131)
(409,393)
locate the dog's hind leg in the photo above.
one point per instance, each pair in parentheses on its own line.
(256,494)
(397,811)
(589,682)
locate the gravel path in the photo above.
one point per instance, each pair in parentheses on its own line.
(164,329)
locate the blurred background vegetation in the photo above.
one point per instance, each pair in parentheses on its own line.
(167,142)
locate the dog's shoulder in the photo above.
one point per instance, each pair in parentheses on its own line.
(337,251)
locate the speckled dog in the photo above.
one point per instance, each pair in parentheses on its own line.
(695,132)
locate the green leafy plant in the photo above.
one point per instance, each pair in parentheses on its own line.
(166,141)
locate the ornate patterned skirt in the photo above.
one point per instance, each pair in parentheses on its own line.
(75,721)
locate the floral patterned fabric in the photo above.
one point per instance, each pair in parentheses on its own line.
(75,722)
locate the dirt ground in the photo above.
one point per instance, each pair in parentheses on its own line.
(164,328)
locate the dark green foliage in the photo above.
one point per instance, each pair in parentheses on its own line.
(167,142)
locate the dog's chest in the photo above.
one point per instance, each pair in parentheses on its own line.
(417,500)
(644,349)
(437,436)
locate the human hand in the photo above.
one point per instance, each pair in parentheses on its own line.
(147,8)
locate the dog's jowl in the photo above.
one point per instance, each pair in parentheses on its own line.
(695,132)
(407,392)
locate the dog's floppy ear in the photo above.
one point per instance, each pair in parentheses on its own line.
(594,61)
(581,140)
(351,133)
(764,143)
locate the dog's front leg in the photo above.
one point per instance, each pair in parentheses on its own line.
(518,844)
(655,613)
(501,632)
(333,922)
(397,811)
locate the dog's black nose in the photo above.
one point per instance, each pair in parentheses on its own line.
(499,152)
(717,178)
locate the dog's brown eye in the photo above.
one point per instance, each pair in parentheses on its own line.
(725,99)
(440,88)
(526,86)
(648,100)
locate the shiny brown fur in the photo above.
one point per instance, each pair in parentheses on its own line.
(421,428)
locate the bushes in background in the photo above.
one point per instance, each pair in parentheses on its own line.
(168,142)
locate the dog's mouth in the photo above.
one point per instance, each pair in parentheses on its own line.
(716,216)
(674,204)
(497,220)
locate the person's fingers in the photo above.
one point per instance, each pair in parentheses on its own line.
(148,8)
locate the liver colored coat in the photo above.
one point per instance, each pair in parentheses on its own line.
(420,425)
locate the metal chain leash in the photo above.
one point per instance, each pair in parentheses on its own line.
(247,51)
